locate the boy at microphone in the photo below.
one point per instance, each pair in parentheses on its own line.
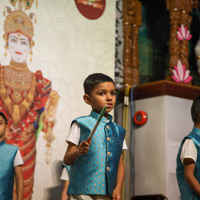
(97,169)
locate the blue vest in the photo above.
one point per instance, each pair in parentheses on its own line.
(96,172)
(186,192)
(7,156)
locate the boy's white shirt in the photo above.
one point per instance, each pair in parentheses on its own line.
(75,133)
(64,175)
(188,150)
(18,159)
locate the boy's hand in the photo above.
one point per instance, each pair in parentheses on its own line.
(116,194)
(83,147)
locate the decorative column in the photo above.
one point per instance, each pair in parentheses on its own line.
(184,51)
(131,23)
(179,15)
(174,7)
(174,43)
(127,29)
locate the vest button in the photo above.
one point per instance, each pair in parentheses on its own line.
(108,138)
(108,168)
(108,153)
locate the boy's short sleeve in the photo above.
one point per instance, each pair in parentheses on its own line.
(18,159)
(74,134)
(125,145)
(188,150)
(64,175)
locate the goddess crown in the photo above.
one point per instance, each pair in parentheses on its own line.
(18,21)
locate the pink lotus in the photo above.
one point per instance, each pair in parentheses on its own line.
(183,33)
(180,74)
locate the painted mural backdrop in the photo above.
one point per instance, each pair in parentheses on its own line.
(26,97)
(47,49)
(91,9)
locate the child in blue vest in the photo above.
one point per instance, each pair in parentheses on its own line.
(10,166)
(96,169)
(65,177)
(188,159)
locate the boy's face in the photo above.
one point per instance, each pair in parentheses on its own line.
(103,93)
(2,128)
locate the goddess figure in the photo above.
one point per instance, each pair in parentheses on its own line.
(26,98)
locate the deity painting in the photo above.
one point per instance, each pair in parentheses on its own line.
(26,98)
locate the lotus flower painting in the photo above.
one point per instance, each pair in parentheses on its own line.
(180,74)
(183,33)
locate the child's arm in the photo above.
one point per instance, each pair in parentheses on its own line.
(120,179)
(189,166)
(19,182)
(74,151)
(64,192)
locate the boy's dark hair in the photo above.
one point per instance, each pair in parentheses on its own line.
(195,110)
(4,117)
(93,80)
